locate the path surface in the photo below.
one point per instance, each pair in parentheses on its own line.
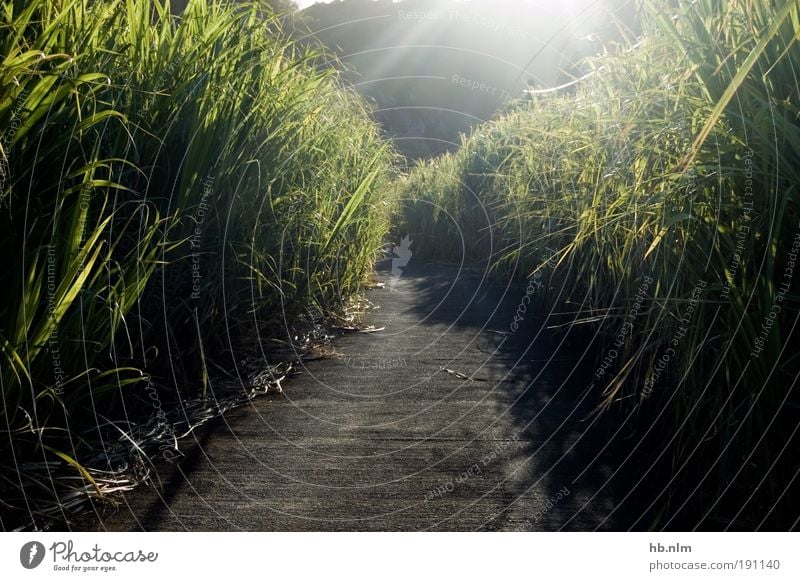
(383,439)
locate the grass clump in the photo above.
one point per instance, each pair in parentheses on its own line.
(666,184)
(173,189)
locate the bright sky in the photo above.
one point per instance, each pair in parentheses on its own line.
(306,3)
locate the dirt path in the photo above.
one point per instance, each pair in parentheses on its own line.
(384,437)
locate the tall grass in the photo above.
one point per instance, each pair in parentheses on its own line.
(173,190)
(667,184)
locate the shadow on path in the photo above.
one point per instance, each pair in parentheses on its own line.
(448,419)
(539,381)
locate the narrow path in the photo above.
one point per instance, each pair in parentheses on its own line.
(383,437)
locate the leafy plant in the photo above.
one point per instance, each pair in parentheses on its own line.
(666,185)
(175,188)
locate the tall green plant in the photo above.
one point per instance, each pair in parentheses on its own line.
(174,188)
(666,185)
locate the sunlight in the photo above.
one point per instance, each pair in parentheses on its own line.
(546,35)
(485,265)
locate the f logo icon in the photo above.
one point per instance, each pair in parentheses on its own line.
(31,554)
